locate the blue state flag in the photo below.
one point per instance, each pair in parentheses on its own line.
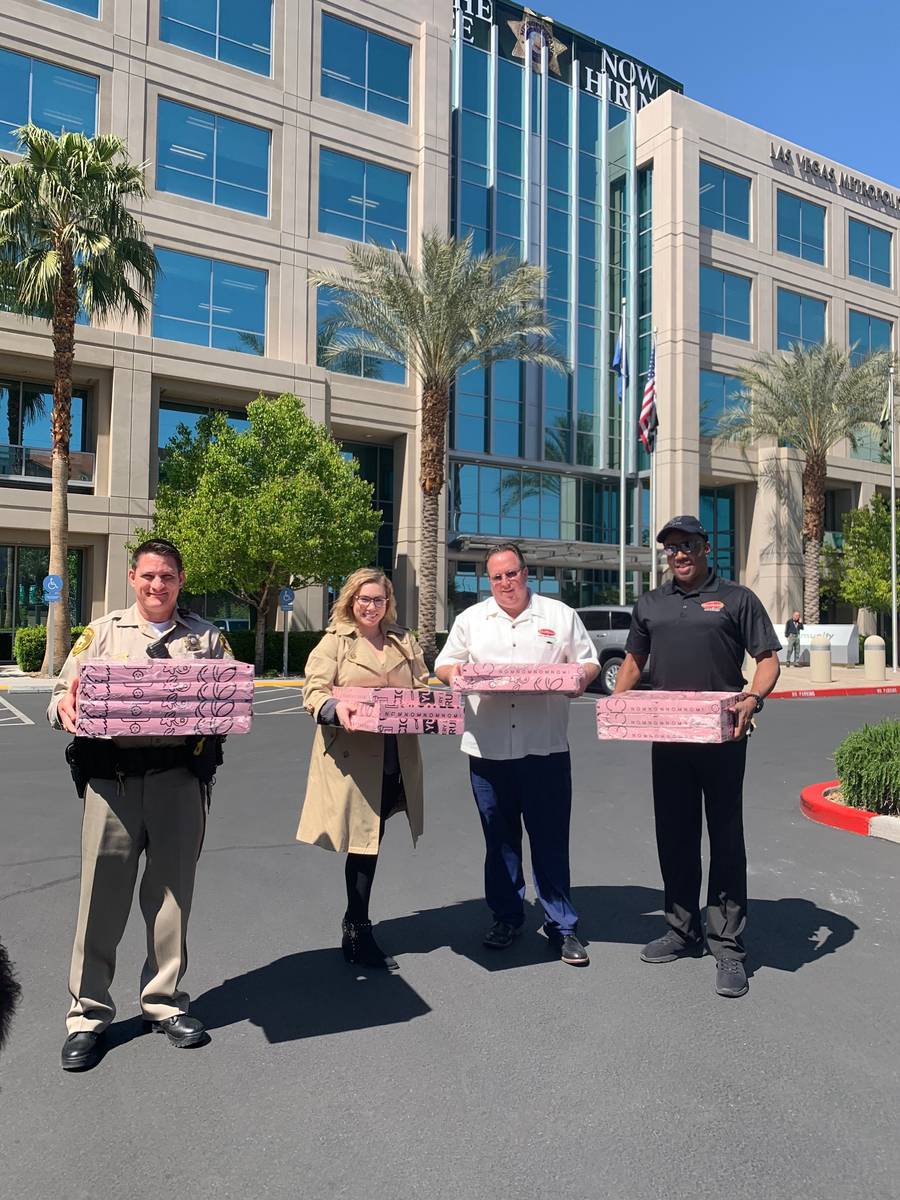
(619,363)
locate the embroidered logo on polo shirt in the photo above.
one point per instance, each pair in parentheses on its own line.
(712,605)
(547,633)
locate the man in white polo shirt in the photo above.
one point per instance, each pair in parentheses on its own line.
(518,749)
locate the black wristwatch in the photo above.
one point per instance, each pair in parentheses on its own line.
(759,701)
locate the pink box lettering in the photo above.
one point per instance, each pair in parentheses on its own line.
(565,679)
(667,717)
(169,698)
(404,710)
(427,698)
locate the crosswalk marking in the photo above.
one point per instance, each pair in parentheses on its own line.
(12,716)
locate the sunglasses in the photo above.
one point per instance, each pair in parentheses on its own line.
(692,547)
(505,575)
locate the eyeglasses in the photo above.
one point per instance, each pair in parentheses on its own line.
(692,547)
(371,601)
(505,575)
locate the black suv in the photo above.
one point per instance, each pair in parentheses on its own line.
(607,625)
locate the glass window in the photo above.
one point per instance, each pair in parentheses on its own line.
(208,302)
(174,417)
(365,69)
(724,200)
(870,253)
(718,393)
(717,518)
(801,320)
(362,201)
(90,8)
(724,303)
(41,93)
(868,334)
(801,228)
(209,157)
(238,32)
(367,366)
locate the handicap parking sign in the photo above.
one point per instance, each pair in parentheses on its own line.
(53,586)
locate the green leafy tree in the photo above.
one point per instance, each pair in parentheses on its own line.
(451,310)
(865,580)
(67,237)
(811,398)
(254,509)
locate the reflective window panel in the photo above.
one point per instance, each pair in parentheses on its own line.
(801,228)
(724,303)
(367,366)
(238,32)
(362,201)
(365,69)
(41,93)
(208,302)
(869,252)
(800,320)
(210,157)
(724,200)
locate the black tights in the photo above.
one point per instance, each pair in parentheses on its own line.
(359,871)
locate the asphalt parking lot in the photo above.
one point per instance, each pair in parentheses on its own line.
(470,1075)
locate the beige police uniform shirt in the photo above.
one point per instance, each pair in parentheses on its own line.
(513,725)
(123,636)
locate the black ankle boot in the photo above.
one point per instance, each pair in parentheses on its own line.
(360,947)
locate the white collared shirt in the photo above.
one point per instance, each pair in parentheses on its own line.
(511,725)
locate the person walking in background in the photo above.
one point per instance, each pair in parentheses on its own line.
(696,629)
(356,779)
(518,749)
(792,630)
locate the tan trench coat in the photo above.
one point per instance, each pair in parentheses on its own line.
(342,809)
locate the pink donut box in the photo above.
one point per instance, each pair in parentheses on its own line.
(667,717)
(404,710)
(562,679)
(165,698)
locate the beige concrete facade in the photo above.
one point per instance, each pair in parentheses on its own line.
(126,371)
(676,133)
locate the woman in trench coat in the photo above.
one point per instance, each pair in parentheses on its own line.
(357,780)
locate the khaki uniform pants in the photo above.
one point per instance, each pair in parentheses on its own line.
(161,814)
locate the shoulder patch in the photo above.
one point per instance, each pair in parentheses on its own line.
(84,641)
(226,646)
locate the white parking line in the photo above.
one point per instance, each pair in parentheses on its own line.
(12,716)
(272,699)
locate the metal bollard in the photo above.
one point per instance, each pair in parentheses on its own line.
(874,658)
(820,658)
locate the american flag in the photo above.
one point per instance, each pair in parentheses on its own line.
(648,421)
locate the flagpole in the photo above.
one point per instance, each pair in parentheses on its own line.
(654,557)
(623,490)
(893,433)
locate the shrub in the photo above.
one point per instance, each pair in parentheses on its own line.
(868,766)
(31,641)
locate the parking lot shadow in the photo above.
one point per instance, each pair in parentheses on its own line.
(784,934)
(309,995)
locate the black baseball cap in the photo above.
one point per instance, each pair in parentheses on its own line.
(686,524)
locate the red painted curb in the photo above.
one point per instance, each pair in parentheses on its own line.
(815,693)
(815,805)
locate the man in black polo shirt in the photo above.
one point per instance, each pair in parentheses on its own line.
(696,629)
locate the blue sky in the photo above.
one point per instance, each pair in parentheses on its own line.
(819,73)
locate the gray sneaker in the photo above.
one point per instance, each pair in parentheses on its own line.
(731,978)
(671,946)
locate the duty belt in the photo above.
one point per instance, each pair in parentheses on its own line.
(122,760)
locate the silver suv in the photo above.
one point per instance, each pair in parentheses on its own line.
(607,625)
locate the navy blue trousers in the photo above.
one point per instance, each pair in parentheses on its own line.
(536,790)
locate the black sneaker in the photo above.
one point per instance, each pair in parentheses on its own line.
(731,978)
(671,946)
(501,936)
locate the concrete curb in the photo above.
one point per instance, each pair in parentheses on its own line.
(815,805)
(888,689)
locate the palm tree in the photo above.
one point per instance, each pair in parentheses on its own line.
(809,398)
(450,311)
(67,239)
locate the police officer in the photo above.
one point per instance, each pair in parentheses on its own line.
(141,794)
(696,629)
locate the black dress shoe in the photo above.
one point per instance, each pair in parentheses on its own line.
(81,1051)
(181,1030)
(501,935)
(359,946)
(570,949)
